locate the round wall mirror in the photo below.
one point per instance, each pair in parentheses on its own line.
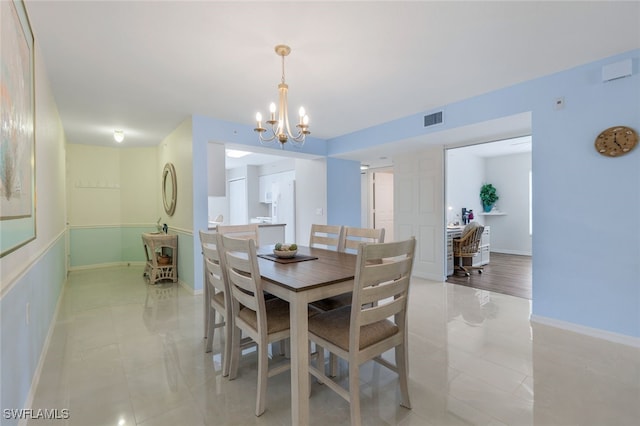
(169,189)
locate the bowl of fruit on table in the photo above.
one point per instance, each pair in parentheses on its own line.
(285,250)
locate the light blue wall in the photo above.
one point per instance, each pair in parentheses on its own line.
(186,259)
(105,245)
(586,241)
(22,344)
(343,192)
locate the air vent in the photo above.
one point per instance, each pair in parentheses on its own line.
(431,119)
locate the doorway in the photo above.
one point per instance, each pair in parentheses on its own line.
(506,164)
(377,201)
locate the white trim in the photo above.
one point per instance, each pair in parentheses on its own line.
(35,380)
(190,289)
(588,331)
(21,273)
(115,225)
(516,252)
(430,277)
(106,265)
(182,230)
(130,225)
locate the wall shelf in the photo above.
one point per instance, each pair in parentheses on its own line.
(493,214)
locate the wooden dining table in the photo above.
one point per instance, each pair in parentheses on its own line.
(331,273)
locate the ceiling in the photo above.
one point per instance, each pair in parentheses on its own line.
(145,66)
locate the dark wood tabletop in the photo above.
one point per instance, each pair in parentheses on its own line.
(329,267)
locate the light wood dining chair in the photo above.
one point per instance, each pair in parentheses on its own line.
(374,323)
(249,231)
(219,301)
(353,237)
(326,236)
(208,238)
(263,321)
(350,239)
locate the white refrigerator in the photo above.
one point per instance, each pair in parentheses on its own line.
(283,207)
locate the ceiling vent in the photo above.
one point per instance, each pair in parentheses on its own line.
(431,119)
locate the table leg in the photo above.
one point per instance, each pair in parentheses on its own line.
(299,360)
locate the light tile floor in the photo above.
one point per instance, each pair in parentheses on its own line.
(127,353)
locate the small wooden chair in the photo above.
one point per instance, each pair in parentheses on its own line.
(467,247)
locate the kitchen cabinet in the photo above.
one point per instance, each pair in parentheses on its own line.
(271,234)
(268,233)
(264,183)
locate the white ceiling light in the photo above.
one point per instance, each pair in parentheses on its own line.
(280,128)
(118,135)
(234,153)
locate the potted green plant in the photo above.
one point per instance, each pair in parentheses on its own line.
(489,196)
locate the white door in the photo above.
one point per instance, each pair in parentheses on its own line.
(383,203)
(419,209)
(238,210)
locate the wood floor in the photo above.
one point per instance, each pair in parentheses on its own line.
(506,273)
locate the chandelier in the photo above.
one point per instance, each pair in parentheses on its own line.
(279,129)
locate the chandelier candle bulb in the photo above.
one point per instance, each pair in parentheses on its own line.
(272,110)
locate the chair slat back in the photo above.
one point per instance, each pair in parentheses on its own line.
(383,273)
(353,237)
(244,274)
(249,231)
(208,237)
(215,273)
(326,236)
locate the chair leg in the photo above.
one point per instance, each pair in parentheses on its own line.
(235,352)
(211,325)
(263,370)
(402,363)
(207,303)
(354,393)
(228,332)
(319,362)
(333,364)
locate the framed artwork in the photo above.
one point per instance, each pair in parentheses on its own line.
(17,129)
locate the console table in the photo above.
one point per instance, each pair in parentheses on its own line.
(161,251)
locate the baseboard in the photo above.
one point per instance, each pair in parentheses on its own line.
(588,331)
(43,356)
(190,289)
(516,252)
(430,277)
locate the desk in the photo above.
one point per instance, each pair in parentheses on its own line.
(301,283)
